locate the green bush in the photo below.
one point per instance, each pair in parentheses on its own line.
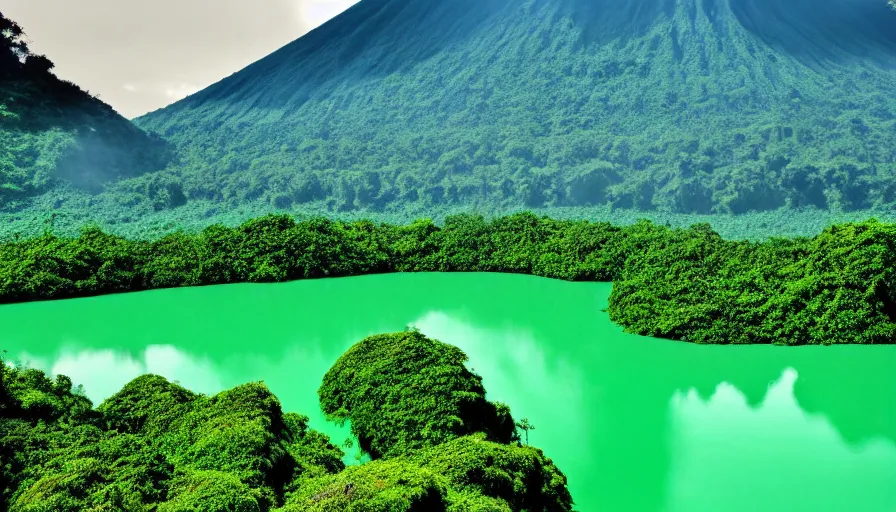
(403,392)
(157,446)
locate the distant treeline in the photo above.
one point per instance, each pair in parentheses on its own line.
(687,284)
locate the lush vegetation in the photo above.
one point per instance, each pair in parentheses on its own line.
(51,130)
(144,223)
(689,284)
(157,446)
(689,108)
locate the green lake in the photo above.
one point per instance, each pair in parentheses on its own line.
(637,424)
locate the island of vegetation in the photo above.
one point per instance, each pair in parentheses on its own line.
(686,284)
(434,442)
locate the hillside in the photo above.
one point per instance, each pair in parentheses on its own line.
(688,106)
(54,135)
(679,111)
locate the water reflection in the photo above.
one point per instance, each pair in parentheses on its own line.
(517,371)
(676,427)
(725,451)
(856,391)
(102,373)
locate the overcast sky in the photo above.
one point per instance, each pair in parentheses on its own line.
(142,55)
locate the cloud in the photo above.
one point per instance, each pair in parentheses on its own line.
(180,91)
(29,360)
(130,87)
(100,372)
(104,372)
(313,13)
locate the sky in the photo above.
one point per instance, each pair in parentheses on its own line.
(139,56)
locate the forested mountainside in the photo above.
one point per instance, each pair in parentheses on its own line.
(53,133)
(399,109)
(700,106)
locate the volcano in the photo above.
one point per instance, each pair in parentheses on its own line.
(691,106)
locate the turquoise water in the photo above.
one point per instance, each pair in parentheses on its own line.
(637,424)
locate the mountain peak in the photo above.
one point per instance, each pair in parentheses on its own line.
(673,105)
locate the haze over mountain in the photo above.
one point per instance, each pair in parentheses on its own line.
(114,48)
(52,130)
(687,106)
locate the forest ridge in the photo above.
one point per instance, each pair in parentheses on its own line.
(685,284)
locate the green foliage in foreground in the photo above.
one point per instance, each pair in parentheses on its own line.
(157,446)
(468,474)
(689,284)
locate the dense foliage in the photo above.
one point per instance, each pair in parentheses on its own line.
(50,129)
(157,446)
(392,385)
(142,222)
(836,287)
(152,443)
(468,474)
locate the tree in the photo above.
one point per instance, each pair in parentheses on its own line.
(6,114)
(15,56)
(13,36)
(13,47)
(38,65)
(525,426)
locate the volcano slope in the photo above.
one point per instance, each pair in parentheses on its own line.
(693,106)
(408,107)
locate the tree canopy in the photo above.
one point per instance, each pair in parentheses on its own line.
(403,392)
(553,105)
